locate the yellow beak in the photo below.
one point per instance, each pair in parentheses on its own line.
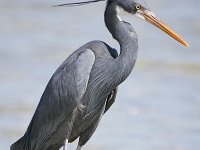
(151,18)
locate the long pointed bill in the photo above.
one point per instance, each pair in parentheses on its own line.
(151,18)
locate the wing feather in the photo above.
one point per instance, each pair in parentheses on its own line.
(61,96)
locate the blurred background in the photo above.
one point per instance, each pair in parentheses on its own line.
(157,107)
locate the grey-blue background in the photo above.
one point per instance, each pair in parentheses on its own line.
(158,106)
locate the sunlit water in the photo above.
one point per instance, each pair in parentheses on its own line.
(157,108)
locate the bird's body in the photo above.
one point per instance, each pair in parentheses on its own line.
(84,87)
(78,96)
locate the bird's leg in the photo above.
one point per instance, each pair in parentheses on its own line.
(65,144)
(79,147)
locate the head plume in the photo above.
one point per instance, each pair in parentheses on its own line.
(79,3)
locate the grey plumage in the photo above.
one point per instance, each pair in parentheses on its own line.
(81,90)
(84,87)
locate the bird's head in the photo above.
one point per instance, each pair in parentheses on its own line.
(139,8)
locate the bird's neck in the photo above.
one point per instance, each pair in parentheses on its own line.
(127,38)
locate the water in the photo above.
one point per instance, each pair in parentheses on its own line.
(157,107)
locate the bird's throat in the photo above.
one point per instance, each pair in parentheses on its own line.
(127,39)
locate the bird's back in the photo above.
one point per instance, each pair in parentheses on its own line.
(56,106)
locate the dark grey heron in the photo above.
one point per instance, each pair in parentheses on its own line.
(85,85)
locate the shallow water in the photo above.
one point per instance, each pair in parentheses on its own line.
(157,107)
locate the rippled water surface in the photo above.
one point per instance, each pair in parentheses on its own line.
(157,107)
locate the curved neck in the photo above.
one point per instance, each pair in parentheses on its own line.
(115,25)
(127,38)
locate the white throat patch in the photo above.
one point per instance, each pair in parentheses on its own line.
(118,10)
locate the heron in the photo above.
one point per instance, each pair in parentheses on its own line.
(84,86)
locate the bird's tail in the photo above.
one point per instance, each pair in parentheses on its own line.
(17,145)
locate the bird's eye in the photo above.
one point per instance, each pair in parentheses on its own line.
(137,6)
